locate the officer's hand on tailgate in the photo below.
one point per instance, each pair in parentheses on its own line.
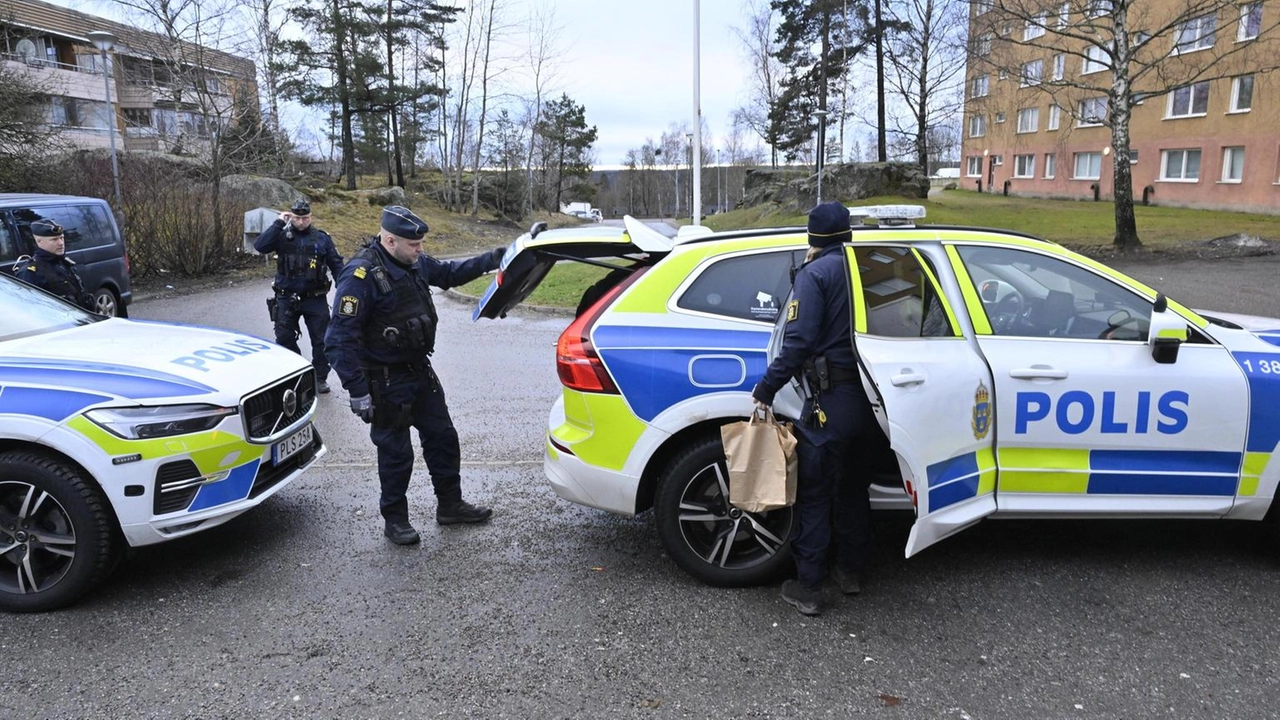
(363,406)
(495,257)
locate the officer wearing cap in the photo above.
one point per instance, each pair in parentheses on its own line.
(50,269)
(305,257)
(380,341)
(837,418)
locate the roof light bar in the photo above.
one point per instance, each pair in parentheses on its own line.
(890,215)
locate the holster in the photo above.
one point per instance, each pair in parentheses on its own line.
(386,413)
(818,372)
(271,308)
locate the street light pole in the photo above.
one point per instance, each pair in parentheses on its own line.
(719,197)
(820,116)
(104,41)
(696,139)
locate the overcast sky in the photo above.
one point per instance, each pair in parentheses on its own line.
(629,63)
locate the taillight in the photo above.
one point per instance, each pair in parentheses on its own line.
(577,363)
(127,268)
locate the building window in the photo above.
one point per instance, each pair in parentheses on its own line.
(973,166)
(1232,164)
(1032,72)
(1250,21)
(1050,165)
(1180,165)
(1242,93)
(1002,74)
(999,117)
(76,113)
(1093,112)
(981,86)
(1088,166)
(1098,8)
(1095,59)
(1055,117)
(1028,120)
(982,7)
(1189,101)
(1024,166)
(977,126)
(1133,157)
(1064,15)
(984,45)
(1034,28)
(1059,66)
(137,117)
(1195,34)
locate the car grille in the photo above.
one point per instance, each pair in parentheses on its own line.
(266,412)
(175,488)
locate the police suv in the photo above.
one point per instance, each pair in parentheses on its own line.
(116,433)
(1013,378)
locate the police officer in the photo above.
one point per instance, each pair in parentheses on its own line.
(380,341)
(50,269)
(305,256)
(818,343)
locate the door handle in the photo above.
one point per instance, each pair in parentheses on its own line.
(1038,372)
(905,379)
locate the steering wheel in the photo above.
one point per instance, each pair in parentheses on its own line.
(1122,326)
(1006,311)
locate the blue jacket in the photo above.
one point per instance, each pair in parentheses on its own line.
(358,300)
(55,274)
(818,322)
(315,256)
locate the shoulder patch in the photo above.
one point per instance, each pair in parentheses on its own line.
(349,304)
(360,272)
(793,310)
(32,268)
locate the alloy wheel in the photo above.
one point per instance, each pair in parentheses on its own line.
(723,535)
(37,539)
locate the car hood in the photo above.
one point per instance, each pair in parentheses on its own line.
(146,361)
(1256,324)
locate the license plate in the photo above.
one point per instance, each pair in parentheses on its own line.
(291,445)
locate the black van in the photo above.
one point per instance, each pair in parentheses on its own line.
(93,243)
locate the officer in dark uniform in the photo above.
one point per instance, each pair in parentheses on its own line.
(818,343)
(50,269)
(305,257)
(380,341)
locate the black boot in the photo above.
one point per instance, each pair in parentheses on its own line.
(401,533)
(461,511)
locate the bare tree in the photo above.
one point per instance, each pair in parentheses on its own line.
(543,68)
(1147,48)
(926,68)
(759,44)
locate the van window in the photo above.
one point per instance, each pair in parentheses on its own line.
(8,245)
(75,226)
(100,225)
(747,287)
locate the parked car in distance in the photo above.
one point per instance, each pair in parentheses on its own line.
(94,243)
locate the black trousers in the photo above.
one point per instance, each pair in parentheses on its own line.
(289,315)
(405,400)
(831,491)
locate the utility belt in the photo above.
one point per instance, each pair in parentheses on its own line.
(395,370)
(301,295)
(395,414)
(822,375)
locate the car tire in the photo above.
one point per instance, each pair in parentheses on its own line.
(58,538)
(106,303)
(695,519)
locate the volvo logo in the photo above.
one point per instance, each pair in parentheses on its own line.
(290,400)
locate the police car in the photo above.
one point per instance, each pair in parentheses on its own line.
(118,434)
(1013,378)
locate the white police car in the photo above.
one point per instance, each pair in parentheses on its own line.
(1013,377)
(116,433)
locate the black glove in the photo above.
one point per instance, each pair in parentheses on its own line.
(763,393)
(363,406)
(495,257)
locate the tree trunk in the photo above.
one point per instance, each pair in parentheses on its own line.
(1122,180)
(344,98)
(881,147)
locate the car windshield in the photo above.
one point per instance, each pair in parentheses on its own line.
(30,311)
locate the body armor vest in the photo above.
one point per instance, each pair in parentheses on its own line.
(300,256)
(410,327)
(60,279)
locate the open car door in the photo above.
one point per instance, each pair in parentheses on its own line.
(531,256)
(928,385)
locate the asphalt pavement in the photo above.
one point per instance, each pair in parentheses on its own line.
(301,609)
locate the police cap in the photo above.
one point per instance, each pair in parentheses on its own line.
(401,222)
(301,208)
(829,224)
(45,228)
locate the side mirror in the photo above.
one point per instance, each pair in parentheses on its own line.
(1167,332)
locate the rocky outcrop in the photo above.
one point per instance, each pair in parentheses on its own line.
(263,191)
(393,195)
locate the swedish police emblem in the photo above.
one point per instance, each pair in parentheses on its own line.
(981,412)
(348,305)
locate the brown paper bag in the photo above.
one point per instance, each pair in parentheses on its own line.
(761,456)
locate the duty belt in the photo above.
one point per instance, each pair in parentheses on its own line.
(835,376)
(386,372)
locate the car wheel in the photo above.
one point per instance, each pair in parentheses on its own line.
(710,539)
(105,303)
(57,536)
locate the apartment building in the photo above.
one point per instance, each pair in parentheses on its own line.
(161,96)
(1203,132)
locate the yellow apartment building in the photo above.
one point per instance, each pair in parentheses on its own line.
(1205,126)
(153,100)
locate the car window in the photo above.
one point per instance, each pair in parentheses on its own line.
(746,287)
(8,243)
(97,226)
(1028,294)
(27,310)
(901,299)
(75,227)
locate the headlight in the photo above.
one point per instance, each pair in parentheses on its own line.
(142,423)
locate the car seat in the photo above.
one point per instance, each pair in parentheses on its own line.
(1059,311)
